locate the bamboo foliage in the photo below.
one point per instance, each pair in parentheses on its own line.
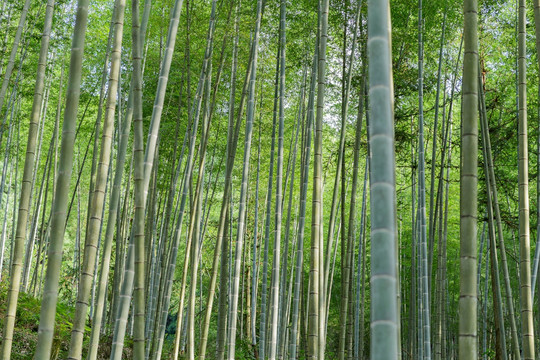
(183,197)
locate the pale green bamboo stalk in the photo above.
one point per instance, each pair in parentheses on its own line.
(50,292)
(243,190)
(127,274)
(492,183)
(98,195)
(114,201)
(497,297)
(349,233)
(536,5)
(275,299)
(31,240)
(285,303)
(424,263)
(384,320)
(440,296)
(358,323)
(352,219)
(433,205)
(467,345)
(264,291)
(37,208)
(223,293)
(160,92)
(196,214)
(4,224)
(15,47)
(97,128)
(139,189)
(316,311)
(197,101)
(302,213)
(54,146)
(195,231)
(24,204)
(255,255)
(232,138)
(527,327)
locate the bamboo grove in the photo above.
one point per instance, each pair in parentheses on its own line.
(253,179)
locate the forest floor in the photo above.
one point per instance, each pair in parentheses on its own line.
(26,328)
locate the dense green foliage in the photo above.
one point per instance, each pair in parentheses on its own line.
(498,53)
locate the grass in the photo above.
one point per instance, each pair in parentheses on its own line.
(27,322)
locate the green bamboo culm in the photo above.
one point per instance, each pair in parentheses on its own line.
(467,346)
(316,317)
(113,200)
(302,211)
(527,328)
(384,320)
(220,243)
(14,49)
(98,195)
(24,204)
(138,177)
(536,5)
(275,291)
(235,279)
(425,341)
(59,207)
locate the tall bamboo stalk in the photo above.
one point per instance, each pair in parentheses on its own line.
(231,135)
(492,183)
(302,213)
(139,189)
(98,195)
(348,235)
(468,186)
(235,280)
(50,292)
(316,313)
(274,304)
(15,47)
(24,204)
(527,328)
(384,321)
